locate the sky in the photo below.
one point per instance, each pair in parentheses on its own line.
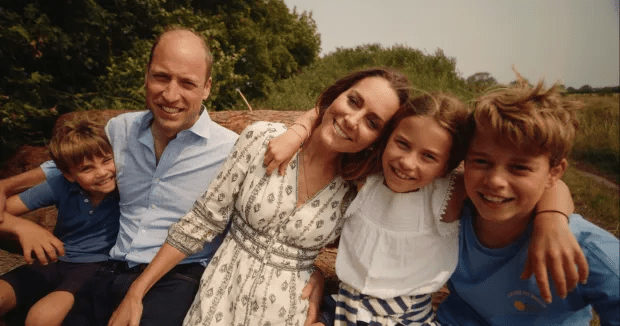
(574,42)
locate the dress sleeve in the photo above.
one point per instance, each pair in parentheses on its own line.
(211,211)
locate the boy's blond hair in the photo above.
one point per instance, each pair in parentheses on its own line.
(533,120)
(77,140)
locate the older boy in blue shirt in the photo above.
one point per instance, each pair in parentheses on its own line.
(521,140)
(86,228)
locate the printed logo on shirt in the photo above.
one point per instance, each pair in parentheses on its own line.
(525,301)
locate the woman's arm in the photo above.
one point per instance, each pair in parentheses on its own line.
(282,148)
(129,311)
(553,248)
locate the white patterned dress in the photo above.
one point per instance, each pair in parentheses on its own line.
(265,260)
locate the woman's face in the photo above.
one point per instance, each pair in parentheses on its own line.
(357,116)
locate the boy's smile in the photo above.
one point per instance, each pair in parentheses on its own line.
(504,183)
(97,176)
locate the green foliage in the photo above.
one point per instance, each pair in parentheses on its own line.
(481,82)
(254,44)
(597,142)
(593,200)
(426,72)
(57,57)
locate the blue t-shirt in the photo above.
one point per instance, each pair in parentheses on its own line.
(88,232)
(486,288)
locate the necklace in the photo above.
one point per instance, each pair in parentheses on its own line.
(305,176)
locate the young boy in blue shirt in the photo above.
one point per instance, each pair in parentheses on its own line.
(86,228)
(521,138)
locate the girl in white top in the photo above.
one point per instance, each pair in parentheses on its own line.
(399,243)
(395,249)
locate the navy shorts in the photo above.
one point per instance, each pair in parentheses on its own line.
(33,282)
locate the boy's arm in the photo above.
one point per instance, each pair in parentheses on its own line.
(32,237)
(18,183)
(553,248)
(282,148)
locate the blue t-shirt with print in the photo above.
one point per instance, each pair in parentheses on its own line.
(486,288)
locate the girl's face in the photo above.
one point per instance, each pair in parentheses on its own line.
(356,117)
(416,154)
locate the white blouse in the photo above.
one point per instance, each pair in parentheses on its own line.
(395,244)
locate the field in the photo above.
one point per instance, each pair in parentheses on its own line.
(596,151)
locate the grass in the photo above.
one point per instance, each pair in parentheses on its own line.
(596,150)
(594,201)
(597,144)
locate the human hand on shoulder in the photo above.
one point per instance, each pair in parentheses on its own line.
(554,250)
(282,148)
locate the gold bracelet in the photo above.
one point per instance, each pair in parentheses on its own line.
(554,211)
(298,134)
(305,129)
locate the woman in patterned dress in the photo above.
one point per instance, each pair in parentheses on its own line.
(278,223)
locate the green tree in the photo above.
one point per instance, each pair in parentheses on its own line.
(481,81)
(426,72)
(57,57)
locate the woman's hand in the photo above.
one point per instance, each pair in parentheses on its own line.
(129,312)
(313,291)
(555,250)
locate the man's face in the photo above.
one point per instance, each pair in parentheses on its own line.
(176,82)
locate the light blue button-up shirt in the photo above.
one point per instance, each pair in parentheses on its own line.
(155,195)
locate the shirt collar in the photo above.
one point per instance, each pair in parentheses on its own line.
(200,128)
(75,187)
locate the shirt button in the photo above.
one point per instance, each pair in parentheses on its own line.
(86,200)
(91,212)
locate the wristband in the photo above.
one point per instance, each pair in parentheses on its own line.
(554,211)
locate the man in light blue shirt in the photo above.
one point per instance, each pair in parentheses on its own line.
(165,158)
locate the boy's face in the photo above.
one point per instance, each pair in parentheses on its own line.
(504,183)
(416,154)
(97,176)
